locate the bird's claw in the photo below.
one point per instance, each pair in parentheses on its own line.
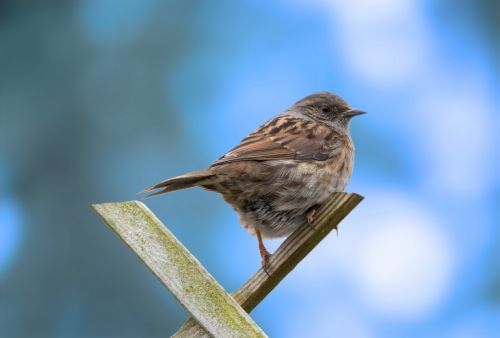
(265,262)
(310,217)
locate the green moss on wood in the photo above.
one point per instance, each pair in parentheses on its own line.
(178,270)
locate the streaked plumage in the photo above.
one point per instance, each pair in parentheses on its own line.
(284,169)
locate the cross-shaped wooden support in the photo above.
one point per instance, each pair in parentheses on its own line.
(215,312)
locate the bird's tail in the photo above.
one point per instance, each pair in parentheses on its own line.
(180,182)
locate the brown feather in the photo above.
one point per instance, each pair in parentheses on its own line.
(180,182)
(285,137)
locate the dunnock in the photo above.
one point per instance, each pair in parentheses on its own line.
(279,174)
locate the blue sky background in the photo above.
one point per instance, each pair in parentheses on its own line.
(101,98)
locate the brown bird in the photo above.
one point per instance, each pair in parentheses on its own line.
(279,174)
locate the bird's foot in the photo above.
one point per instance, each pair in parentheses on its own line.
(265,261)
(310,216)
(263,252)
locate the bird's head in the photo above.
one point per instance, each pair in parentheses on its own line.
(328,108)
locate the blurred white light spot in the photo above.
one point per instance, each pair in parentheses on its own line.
(383,41)
(405,263)
(383,55)
(459,137)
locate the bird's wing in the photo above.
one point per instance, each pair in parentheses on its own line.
(284,137)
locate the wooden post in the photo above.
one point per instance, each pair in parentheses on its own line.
(215,310)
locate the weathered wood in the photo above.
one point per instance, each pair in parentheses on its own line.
(288,255)
(215,310)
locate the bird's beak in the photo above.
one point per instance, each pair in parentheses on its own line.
(353,112)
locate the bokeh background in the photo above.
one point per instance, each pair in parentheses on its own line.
(101,98)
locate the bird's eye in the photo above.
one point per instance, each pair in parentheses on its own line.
(325,109)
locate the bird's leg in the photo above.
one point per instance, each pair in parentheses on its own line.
(263,251)
(310,215)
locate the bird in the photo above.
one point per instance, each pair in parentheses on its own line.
(277,176)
